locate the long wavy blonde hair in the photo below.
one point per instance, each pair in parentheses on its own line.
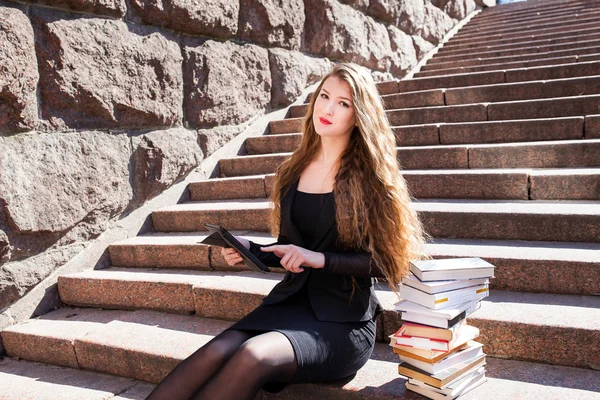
(373,211)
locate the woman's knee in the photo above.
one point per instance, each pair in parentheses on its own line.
(222,347)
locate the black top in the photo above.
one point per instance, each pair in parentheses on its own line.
(306,210)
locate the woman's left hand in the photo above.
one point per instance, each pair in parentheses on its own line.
(294,257)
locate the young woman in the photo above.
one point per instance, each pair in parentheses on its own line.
(342,215)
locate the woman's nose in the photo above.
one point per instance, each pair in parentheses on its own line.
(329,108)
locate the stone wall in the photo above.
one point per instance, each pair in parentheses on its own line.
(106,103)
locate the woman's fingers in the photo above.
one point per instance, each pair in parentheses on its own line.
(232,257)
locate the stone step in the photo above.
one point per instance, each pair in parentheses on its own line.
(509,110)
(501,76)
(511,65)
(507,184)
(489,16)
(523,90)
(31,380)
(509,60)
(174,250)
(493,37)
(529,41)
(156,342)
(496,92)
(543,154)
(516,9)
(563,14)
(562,221)
(508,320)
(517,50)
(518,40)
(587,16)
(455,133)
(539,267)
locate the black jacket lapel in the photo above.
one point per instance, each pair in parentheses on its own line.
(287,226)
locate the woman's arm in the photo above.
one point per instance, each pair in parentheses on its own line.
(269,259)
(355,264)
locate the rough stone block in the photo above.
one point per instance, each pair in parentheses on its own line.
(113,8)
(211,140)
(215,18)
(436,24)
(18,72)
(291,73)
(404,55)
(67,178)
(225,83)
(272,23)
(338,31)
(162,158)
(98,73)
(422,46)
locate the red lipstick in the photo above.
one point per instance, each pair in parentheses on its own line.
(325,121)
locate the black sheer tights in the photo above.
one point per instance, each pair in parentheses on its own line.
(233,365)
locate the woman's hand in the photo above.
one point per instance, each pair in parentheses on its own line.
(231,255)
(294,257)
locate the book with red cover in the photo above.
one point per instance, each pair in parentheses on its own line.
(466,333)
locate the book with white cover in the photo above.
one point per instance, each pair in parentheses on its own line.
(433,287)
(446,313)
(430,394)
(439,322)
(465,334)
(446,299)
(451,268)
(472,351)
(456,387)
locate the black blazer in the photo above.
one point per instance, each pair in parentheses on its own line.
(329,288)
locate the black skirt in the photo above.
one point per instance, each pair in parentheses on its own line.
(325,351)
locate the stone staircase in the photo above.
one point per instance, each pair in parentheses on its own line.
(499,138)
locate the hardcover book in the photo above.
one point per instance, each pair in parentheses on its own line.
(451,269)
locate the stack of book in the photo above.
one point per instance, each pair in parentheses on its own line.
(437,350)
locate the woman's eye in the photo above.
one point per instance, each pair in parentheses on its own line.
(324,96)
(344,104)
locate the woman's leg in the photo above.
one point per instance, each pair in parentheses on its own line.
(264,358)
(193,372)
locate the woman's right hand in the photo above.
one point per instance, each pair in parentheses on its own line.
(231,255)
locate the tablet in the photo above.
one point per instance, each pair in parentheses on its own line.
(221,237)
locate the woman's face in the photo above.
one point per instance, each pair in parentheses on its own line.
(333,114)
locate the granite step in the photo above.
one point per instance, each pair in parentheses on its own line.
(491,16)
(539,89)
(542,154)
(469,49)
(527,130)
(586,48)
(157,342)
(562,14)
(513,325)
(23,380)
(533,30)
(561,71)
(541,62)
(540,220)
(499,184)
(584,16)
(538,267)
(517,50)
